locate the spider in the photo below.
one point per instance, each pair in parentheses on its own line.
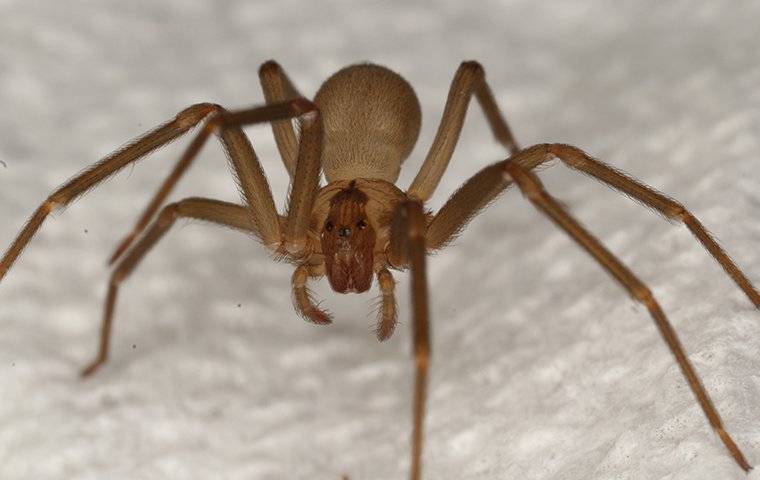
(359,128)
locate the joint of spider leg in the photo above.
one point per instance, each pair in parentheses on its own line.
(168,215)
(569,154)
(117,276)
(190,116)
(528,183)
(51,205)
(644,295)
(475,67)
(296,248)
(506,174)
(305,109)
(214,124)
(683,215)
(269,67)
(422,355)
(409,209)
(416,232)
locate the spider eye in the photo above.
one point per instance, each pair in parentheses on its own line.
(329,226)
(361,224)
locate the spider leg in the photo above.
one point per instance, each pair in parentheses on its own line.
(305,305)
(221,213)
(468,80)
(577,159)
(474,195)
(387,316)
(305,182)
(407,247)
(303,300)
(135,150)
(245,163)
(278,88)
(484,186)
(533,189)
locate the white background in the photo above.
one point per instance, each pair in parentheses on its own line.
(543,368)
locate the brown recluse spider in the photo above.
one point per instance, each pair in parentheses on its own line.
(360,127)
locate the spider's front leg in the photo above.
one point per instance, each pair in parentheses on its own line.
(407,247)
(247,168)
(135,150)
(482,188)
(260,207)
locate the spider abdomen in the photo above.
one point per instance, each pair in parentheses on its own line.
(371,119)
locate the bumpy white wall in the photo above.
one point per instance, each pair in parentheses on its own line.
(543,368)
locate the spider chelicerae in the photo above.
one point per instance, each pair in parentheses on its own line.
(359,128)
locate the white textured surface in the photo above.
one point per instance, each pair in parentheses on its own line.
(543,368)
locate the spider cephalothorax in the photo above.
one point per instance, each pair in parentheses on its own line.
(348,242)
(358,130)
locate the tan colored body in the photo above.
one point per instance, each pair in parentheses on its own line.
(371,119)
